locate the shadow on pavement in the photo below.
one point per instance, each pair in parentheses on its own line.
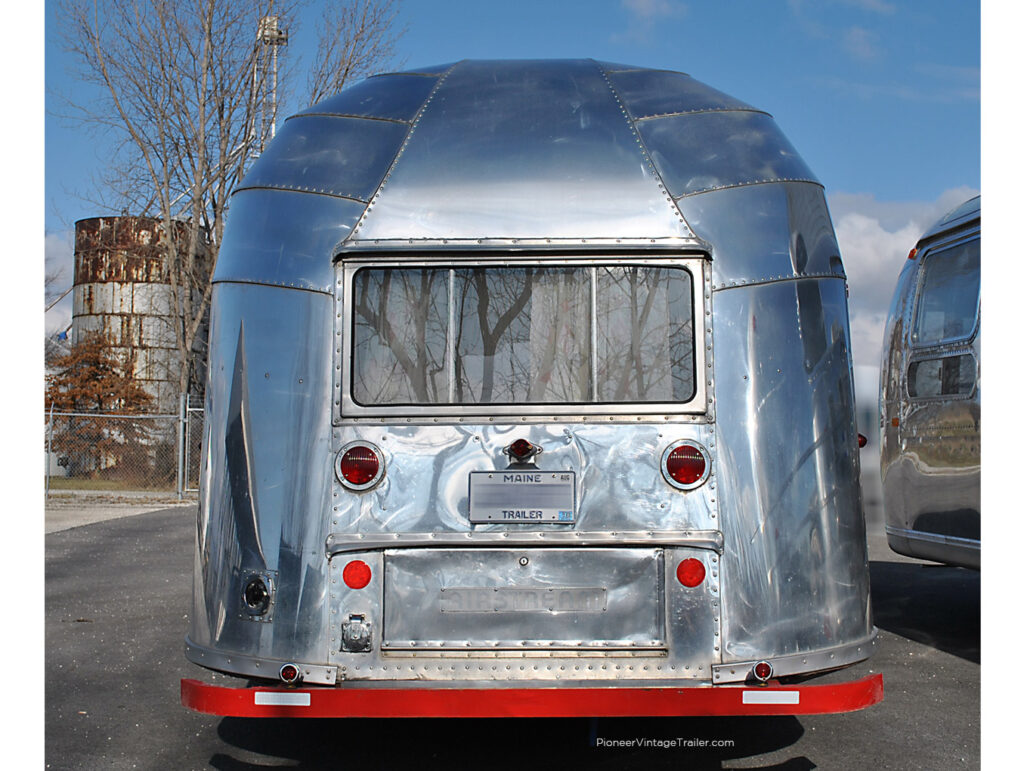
(935,605)
(507,743)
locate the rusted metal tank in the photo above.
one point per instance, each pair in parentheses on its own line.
(121,288)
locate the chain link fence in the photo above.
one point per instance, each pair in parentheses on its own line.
(117,452)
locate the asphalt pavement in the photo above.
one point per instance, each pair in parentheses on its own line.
(118,593)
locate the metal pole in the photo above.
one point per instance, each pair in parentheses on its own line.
(49,449)
(182,417)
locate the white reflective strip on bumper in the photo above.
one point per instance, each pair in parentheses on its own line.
(771,697)
(271,698)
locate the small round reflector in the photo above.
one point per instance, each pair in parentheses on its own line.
(685,465)
(359,465)
(690,572)
(289,673)
(356,574)
(762,671)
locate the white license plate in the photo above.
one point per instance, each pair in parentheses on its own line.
(522,496)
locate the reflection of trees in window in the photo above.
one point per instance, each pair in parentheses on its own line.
(645,335)
(523,335)
(401,330)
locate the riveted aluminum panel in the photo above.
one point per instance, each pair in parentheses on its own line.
(691,616)
(648,93)
(267,415)
(432,69)
(794,570)
(346,157)
(284,238)
(522,150)
(506,598)
(392,97)
(425,488)
(765,232)
(706,151)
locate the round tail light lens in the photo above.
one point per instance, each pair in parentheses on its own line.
(356,574)
(685,465)
(691,572)
(762,671)
(289,673)
(359,466)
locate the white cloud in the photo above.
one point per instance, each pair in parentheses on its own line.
(874,239)
(861,43)
(654,9)
(60,262)
(872,6)
(642,17)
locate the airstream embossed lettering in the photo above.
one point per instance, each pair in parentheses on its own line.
(530,394)
(930,396)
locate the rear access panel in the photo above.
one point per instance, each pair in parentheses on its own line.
(523,599)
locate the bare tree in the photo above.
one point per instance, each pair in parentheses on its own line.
(183,87)
(357,39)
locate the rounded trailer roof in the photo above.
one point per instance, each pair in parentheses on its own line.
(490,153)
(964,214)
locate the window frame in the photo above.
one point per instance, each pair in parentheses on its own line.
(945,342)
(346,408)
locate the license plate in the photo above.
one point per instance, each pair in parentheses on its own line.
(522,496)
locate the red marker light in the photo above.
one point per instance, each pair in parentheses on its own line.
(762,671)
(356,574)
(691,572)
(289,673)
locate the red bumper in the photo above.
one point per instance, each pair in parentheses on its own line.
(355,701)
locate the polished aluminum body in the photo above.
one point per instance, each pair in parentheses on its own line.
(566,170)
(930,396)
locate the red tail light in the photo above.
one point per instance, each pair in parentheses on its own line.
(691,572)
(359,466)
(685,465)
(762,671)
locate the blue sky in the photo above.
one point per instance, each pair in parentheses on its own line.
(880,97)
(871,92)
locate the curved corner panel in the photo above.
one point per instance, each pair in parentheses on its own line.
(647,93)
(395,97)
(710,150)
(346,157)
(284,238)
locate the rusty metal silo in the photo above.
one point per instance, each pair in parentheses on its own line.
(122,288)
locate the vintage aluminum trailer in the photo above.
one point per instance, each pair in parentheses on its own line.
(930,396)
(530,393)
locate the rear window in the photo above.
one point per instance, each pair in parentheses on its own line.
(500,335)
